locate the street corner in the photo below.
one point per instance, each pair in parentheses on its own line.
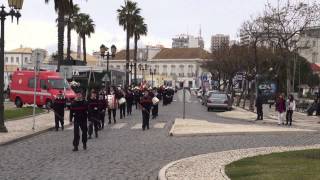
(238,113)
(196,127)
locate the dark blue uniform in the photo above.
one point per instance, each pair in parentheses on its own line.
(79,111)
(93,116)
(146,104)
(58,106)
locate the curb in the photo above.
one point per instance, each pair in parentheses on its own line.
(163,170)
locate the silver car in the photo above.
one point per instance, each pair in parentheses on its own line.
(219,100)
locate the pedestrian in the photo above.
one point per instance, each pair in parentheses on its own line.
(291,107)
(93,114)
(155,102)
(281,109)
(59,103)
(102,108)
(146,104)
(79,109)
(129,99)
(122,103)
(112,105)
(259,106)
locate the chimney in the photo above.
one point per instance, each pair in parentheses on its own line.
(79,48)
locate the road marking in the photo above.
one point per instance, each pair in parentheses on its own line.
(118,126)
(137,126)
(159,125)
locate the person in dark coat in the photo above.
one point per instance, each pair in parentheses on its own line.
(59,104)
(129,99)
(93,114)
(259,106)
(102,108)
(79,111)
(154,106)
(146,104)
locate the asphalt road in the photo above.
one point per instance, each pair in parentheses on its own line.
(124,151)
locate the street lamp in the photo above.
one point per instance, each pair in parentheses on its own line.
(104,52)
(143,68)
(15,6)
(131,72)
(152,73)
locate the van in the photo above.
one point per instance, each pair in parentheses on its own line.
(49,84)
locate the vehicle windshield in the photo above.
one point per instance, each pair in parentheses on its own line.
(218,96)
(58,83)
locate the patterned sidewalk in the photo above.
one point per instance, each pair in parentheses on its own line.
(22,128)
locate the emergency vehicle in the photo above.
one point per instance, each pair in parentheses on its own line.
(49,84)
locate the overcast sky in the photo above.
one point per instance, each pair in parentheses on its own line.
(165,19)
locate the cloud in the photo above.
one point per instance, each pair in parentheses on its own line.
(40,34)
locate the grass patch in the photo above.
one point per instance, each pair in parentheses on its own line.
(16,113)
(294,165)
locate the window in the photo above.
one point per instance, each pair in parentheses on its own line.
(314,43)
(157,69)
(118,66)
(26,60)
(111,67)
(31,83)
(12,60)
(17,60)
(7,59)
(43,84)
(165,70)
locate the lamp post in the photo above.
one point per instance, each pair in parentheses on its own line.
(15,6)
(143,68)
(104,52)
(152,73)
(131,72)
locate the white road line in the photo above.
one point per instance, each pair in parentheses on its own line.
(70,128)
(137,126)
(118,126)
(159,125)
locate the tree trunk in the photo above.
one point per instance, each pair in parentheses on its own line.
(135,58)
(127,57)
(60,38)
(69,41)
(84,49)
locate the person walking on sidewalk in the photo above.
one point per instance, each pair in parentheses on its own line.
(79,109)
(58,106)
(281,109)
(93,114)
(291,107)
(259,104)
(146,104)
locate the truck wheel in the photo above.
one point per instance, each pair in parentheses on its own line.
(48,104)
(40,106)
(18,102)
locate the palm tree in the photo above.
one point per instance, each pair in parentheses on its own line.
(140,28)
(62,7)
(84,26)
(69,22)
(126,17)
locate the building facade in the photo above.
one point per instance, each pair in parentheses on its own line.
(309,45)
(172,66)
(219,41)
(187,41)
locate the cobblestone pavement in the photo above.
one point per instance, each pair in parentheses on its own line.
(125,151)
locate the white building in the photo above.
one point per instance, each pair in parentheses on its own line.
(219,41)
(187,41)
(309,45)
(172,66)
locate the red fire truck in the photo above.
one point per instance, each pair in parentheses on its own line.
(49,84)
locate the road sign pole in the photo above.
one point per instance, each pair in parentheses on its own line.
(36,67)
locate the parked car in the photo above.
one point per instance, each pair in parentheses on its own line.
(207,95)
(219,100)
(48,86)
